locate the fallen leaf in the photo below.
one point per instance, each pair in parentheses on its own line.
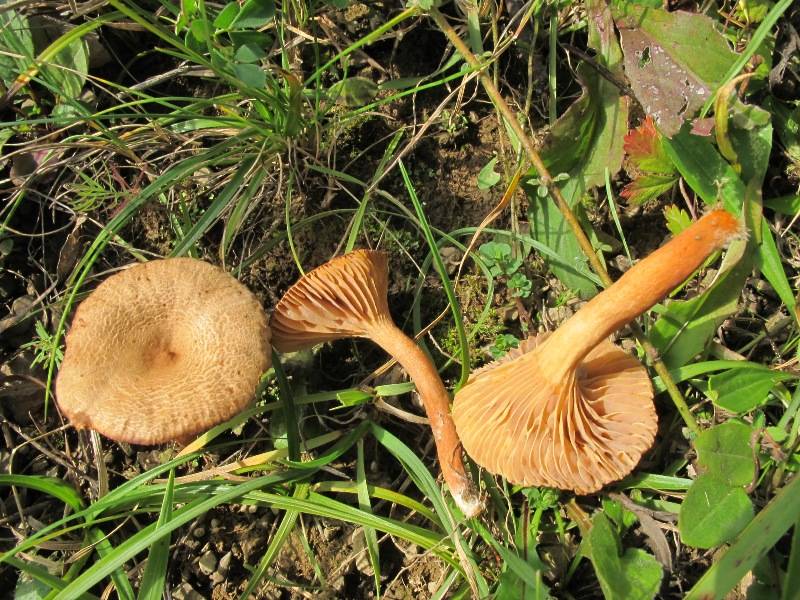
(670,78)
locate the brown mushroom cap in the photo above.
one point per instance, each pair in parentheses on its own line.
(161,351)
(578,435)
(345,297)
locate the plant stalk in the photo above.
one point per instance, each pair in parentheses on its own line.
(566,211)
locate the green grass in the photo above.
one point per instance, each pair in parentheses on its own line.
(267,150)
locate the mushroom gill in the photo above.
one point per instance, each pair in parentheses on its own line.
(576,434)
(569,409)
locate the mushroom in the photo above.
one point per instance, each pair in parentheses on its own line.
(162,351)
(346,297)
(569,409)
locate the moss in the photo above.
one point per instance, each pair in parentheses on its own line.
(471,294)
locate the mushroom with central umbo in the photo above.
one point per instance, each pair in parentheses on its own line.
(346,297)
(569,409)
(161,351)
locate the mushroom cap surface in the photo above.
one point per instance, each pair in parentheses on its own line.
(578,434)
(344,297)
(161,351)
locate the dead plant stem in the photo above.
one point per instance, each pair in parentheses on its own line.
(569,216)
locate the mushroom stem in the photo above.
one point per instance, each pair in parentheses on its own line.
(639,289)
(436,402)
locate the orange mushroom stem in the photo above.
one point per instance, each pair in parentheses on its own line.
(639,289)
(346,297)
(436,402)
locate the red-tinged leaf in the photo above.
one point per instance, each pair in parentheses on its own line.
(644,149)
(648,187)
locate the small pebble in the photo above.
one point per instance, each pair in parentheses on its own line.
(185,592)
(207,563)
(221,574)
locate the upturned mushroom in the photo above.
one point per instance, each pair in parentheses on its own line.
(347,297)
(161,351)
(569,409)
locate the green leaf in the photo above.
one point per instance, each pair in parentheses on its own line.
(353,92)
(786,205)
(28,588)
(677,219)
(742,390)
(48,485)
(636,575)
(648,187)
(585,143)
(226,16)
(550,229)
(725,452)
(753,145)
(371,539)
(704,169)
(488,177)
(155,571)
(353,397)
(251,75)
(15,36)
(520,579)
(394,389)
(188,11)
(254,14)
(755,540)
(200,31)
(249,53)
(65,71)
(588,138)
(713,512)
(768,260)
(713,178)
(668,75)
(645,150)
(258,39)
(497,256)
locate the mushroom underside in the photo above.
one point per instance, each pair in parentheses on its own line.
(578,434)
(345,297)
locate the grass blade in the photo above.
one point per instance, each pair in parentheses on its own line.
(364,504)
(213,212)
(458,320)
(152,533)
(155,573)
